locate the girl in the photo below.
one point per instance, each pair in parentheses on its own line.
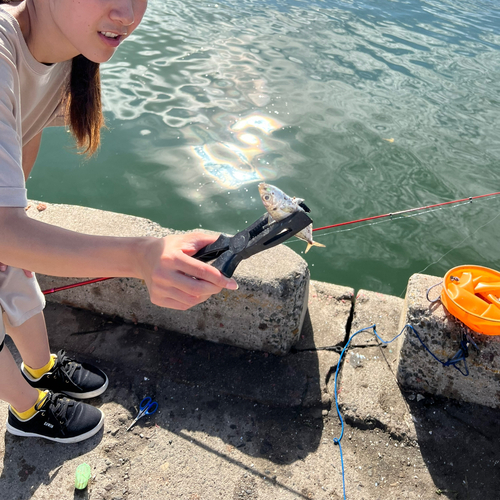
(50,52)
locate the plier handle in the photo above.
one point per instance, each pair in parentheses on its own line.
(228,251)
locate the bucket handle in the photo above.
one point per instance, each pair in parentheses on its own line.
(428,291)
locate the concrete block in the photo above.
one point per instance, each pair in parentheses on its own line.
(266,313)
(328,312)
(441,332)
(369,394)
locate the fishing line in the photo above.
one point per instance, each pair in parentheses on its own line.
(376,223)
(455,247)
(381,221)
(383,216)
(466,238)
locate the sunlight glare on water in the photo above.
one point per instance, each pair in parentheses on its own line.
(360,108)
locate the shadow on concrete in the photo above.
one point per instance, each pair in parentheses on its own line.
(250,400)
(459,444)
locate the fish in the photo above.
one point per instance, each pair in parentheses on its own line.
(279,205)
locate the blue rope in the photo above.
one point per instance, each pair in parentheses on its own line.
(459,356)
(462,353)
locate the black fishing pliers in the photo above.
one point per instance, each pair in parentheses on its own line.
(264,233)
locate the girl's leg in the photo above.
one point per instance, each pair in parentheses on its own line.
(31,340)
(36,413)
(21,298)
(56,373)
(13,387)
(33,412)
(46,415)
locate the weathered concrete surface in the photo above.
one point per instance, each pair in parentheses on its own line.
(324,331)
(281,381)
(440,331)
(206,443)
(302,378)
(266,313)
(369,394)
(329,311)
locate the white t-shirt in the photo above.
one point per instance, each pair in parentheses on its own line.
(30,100)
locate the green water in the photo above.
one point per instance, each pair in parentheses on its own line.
(361,108)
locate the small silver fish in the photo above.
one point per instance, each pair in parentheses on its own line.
(279,205)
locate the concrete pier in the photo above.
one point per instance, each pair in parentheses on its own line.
(273,311)
(238,423)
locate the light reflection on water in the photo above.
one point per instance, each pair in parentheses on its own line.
(233,165)
(364,108)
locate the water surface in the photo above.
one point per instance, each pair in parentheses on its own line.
(361,108)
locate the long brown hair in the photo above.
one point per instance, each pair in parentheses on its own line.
(83,113)
(83,104)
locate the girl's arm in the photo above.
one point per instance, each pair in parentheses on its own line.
(30,152)
(163,263)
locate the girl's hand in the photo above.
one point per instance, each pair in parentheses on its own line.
(176,280)
(28,274)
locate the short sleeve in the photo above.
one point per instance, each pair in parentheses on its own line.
(12,184)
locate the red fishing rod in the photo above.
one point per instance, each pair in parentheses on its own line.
(406,211)
(392,214)
(74,285)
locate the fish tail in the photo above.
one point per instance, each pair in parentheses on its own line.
(313,244)
(316,244)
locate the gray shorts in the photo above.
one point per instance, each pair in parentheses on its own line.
(20,298)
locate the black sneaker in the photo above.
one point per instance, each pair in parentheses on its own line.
(59,419)
(76,380)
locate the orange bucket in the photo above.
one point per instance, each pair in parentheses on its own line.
(472,295)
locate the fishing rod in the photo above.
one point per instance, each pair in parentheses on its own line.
(410,210)
(74,285)
(392,214)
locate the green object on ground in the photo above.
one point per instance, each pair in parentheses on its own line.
(82,476)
